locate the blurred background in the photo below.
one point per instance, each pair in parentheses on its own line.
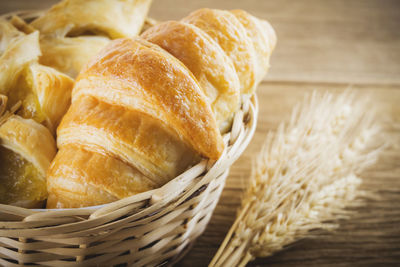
(325,46)
(355,41)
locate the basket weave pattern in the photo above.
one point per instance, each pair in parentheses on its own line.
(150,228)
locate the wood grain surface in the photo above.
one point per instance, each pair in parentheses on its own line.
(322,45)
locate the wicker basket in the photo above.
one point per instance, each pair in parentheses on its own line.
(152,228)
(149,229)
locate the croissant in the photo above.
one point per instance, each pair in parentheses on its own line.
(227,52)
(44,92)
(142,114)
(73,31)
(26,150)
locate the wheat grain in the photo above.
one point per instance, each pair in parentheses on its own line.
(304,176)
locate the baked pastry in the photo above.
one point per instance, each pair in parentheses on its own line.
(69,54)
(17,51)
(112,18)
(73,31)
(44,92)
(26,150)
(237,40)
(227,52)
(140,117)
(145,122)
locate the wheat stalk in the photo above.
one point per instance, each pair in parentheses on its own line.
(304,176)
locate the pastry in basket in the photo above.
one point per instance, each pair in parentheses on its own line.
(227,52)
(142,114)
(73,31)
(26,150)
(44,92)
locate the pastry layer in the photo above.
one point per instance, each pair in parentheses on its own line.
(26,150)
(130,135)
(31,140)
(19,53)
(262,37)
(21,184)
(53,91)
(105,178)
(207,61)
(224,28)
(69,55)
(45,95)
(114,18)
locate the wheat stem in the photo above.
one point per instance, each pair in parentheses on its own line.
(228,236)
(246,260)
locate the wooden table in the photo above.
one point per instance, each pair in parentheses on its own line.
(322,45)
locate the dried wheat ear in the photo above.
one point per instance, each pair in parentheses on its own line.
(305,175)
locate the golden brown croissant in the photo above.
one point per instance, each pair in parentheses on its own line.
(73,31)
(26,150)
(139,116)
(228,53)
